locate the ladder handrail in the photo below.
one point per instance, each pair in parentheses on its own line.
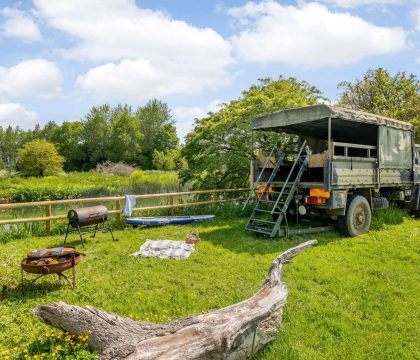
(258,179)
(297,179)
(262,226)
(289,175)
(293,188)
(270,179)
(272,176)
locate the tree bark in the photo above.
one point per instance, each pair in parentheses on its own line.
(232,333)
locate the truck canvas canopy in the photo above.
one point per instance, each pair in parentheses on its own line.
(393,138)
(298,119)
(395,148)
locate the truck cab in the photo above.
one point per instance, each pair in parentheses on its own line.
(347,164)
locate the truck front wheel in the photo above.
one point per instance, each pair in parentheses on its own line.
(358,217)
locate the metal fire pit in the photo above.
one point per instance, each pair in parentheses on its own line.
(88,220)
(51,261)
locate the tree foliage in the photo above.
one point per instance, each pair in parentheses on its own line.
(381,93)
(68,138)
(112,134)
(39,158)
(96,135)
(170,160)
(158,128)
(106,133)
(10,141)
(218,150)
(162,161)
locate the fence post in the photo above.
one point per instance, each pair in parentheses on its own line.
(171,202)
(118,215)
(48,211)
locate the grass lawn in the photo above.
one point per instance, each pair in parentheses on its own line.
(349,298)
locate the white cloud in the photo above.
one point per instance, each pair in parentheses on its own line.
(16,115)
(418,60)
(185,115)
(145,52)
(356,3)
(35,77)
(139,80)
(309,36)
(19,25)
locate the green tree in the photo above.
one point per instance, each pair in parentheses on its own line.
(48,130)
(381,93)
(166,138)
(158,129)
(39,158)
(218,150)
(112,133)
(68,138)
(97,129)
(163,161)
(10,141)
(126,136)
(171,160)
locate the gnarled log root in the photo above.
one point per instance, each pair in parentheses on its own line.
(233,333)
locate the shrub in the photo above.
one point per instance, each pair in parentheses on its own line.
(391,216)
(163,161)
(39,158)
(171,160)
(137,176)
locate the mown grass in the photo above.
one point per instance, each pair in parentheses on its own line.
(349,298)
(75,185)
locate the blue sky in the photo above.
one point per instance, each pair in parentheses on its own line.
(59,58)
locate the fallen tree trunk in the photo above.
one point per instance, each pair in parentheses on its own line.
(233,333)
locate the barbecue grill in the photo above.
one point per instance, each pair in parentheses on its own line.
(88,220)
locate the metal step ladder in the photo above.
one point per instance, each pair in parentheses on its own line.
(279,201)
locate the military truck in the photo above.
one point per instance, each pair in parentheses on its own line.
(347,164)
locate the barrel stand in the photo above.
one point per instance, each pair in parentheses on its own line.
(73,227)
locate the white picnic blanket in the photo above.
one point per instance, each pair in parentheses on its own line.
(165,249)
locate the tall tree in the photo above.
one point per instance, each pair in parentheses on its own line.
(97,129)
(11,140)
(157,126)
(68,138)
(381,93)
(126,136)
(218,150)
(48,130)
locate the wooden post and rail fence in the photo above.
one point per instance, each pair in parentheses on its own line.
(118,201)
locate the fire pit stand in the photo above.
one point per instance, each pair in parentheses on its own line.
(71,281)
(39,265)
(88,220)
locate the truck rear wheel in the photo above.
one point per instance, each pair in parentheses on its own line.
(380,203)
(358,217)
